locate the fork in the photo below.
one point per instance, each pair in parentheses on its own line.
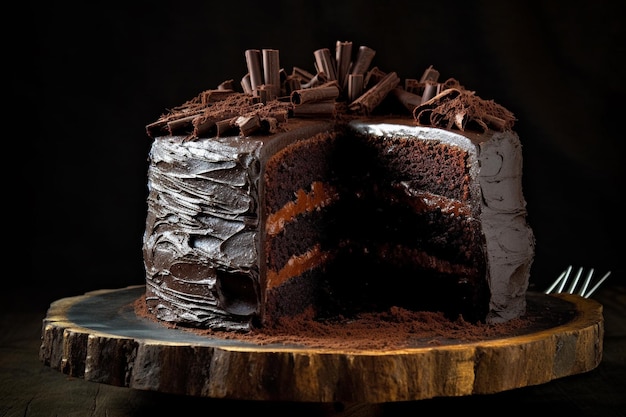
(558,286)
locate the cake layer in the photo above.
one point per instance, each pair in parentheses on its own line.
(389,211)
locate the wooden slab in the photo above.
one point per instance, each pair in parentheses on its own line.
(99,337)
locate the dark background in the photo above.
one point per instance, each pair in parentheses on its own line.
(97,74)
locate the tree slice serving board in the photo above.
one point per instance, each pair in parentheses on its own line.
(99,337)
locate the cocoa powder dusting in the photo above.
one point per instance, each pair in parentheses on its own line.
(396,328)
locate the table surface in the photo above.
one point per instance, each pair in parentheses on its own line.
(29,388)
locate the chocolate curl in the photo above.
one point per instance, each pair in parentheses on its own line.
(303,75)
(430,91)
(224,126)
(373,77)
(498,123)
(363,60)
(181,124)
(173,125)
(430,74)
(328,91)
(452,83)
(343,56)
(264,93)
(324,63)
(156,128)
(203,126)
(212,96)
(269,124)
(317,109)
(355,86)
(271,72)
(282,75)
(227,85)
(375,95)
(248,124)
(422,113)
(253,61)
(409,100)
(318,79)
(280,112)
(412,86)
(462,109)
(246,85)
(292,84)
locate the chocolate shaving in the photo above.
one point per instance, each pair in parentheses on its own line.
(343,55)
(340,86)
(303,75)
(460,108)
(318,79)
(181,124)
(363,60)
(317,109)
(325,64)
(228,85)
(269,124)
(253,61)
(372,97)
(204,126)
(248,124)
(411,85)
(355,86)
(409,100)
(246,84)
(373,76)
(430,90)
(225,126)
(430,75)
(271,72)
(291,84)
(328,91)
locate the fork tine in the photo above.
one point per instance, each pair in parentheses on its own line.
(586,283)
(565,278)
(562,279)
(573,286)
(595,287)
(556,282)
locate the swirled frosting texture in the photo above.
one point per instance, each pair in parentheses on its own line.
(202,224)
(510,241)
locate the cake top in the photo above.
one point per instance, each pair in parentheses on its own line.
(341,87)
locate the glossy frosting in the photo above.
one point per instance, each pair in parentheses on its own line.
(202,213)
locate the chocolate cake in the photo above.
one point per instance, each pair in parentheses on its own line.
(334,193)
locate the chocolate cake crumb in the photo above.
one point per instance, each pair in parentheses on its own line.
(395,328)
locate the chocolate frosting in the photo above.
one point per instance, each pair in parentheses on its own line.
(510,240)
(204,218)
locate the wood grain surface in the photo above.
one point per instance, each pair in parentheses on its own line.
(99,338)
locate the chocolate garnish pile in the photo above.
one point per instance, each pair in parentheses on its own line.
(340,87)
